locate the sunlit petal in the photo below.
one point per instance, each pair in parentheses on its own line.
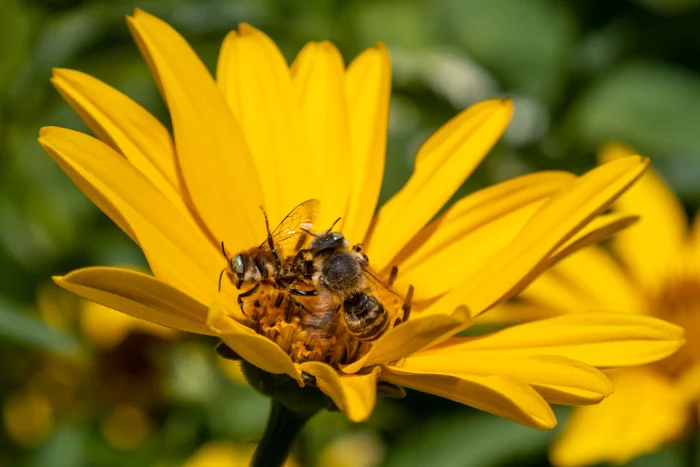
(216,165)
(442,164)
(177,251)
(138,295)
(649,247)
(355,395)
(252,347)
(463,240)
(559,219)
(318,77)
(599,339)
(368,88)
(559,380)
(500,395)
(254,78)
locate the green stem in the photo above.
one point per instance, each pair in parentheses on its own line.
(282,429)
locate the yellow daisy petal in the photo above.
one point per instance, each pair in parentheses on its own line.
(599,339)
(138,295)
(410,337)
(177,251)
(254,78)
(368,88)
(559,219)
(559,380)
(504,396)
(598,229)
(126,126)
(642,415)
(595,278)
(251,347)
(695,239)
(477,227)
(649,246)
(318,77)
(442,164)
(216,164)
(355,395)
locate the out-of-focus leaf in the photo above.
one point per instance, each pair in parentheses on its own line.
(65,448)
(403,24)
(469,439)
(526,43)
(25,329)
(16,24)
(669,7)
(648,105)
(671,457)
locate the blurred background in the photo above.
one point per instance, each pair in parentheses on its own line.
(85,386)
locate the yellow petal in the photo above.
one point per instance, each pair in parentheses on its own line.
(368,88)
(649,246)
(599,339)
(253,348)
(504,396)
(177,251)
(475,228)
(138,295)
(355,395)
(559,380)
(695,239)
(642,415)
(216,164)
(124,125)
(318,77)
(594,278)
(254,78)
(597,230)
(442,164)
(410,337)
(560,218)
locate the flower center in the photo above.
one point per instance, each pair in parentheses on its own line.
(321,328)
(679,303)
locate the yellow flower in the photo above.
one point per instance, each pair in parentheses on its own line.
(267,134)
(655,272)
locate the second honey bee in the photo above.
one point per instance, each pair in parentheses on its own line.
(344,272)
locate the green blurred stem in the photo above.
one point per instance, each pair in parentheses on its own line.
(282,429)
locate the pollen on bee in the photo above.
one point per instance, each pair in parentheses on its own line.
(306,329)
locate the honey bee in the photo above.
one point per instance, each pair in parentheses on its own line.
(344,272)
(264,264)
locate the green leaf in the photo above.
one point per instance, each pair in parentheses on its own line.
(469,439)
(648,105)
(29,330)
(527,43)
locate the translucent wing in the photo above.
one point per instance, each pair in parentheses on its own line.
(290,236)
(377,284)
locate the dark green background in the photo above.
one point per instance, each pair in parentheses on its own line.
(580,72)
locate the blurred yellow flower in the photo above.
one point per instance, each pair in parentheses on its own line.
(223,453)
(654,271)
(267,134)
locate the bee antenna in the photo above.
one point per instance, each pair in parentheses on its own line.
(221,275)
(223,249)
(333,224)
(308,232)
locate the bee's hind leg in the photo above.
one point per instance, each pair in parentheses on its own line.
(406,307)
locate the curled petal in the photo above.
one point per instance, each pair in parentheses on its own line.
(138,295)
(355,395)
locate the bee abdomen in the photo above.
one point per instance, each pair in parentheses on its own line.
(365,316)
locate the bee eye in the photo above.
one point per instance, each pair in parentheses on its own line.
(238,264)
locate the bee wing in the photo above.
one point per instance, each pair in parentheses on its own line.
(376,283)
(290,236)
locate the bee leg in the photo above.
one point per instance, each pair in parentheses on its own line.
(291,302)
(278,300)
(245,294)
(303,293)
(270,241)
(407,304)
(392,275)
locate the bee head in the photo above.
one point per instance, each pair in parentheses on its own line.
(328,241)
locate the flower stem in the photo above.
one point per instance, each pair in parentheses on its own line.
(283,427)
